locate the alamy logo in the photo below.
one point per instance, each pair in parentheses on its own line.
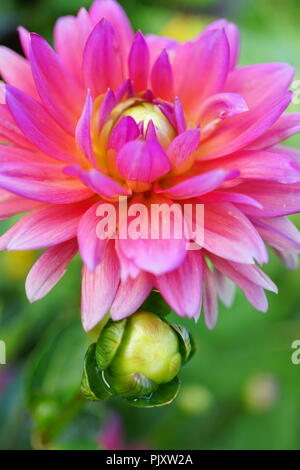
(2,353)
(296,354)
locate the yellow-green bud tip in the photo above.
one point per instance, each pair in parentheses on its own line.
(149,347)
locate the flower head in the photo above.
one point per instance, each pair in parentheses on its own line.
(110,113)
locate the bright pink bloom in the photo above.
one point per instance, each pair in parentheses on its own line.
(112,436)
(110,113)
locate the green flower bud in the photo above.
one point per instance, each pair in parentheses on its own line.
(137,358)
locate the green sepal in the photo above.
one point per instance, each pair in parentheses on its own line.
(156,304)
(186,342)
(108,342)
(131,386)
(93,386)
(164,395)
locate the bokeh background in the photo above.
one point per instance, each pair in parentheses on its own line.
(241,390)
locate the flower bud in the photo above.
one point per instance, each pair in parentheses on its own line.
(137,358)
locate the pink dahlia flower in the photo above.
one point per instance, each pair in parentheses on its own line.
(110,113)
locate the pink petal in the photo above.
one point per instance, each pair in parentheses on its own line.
(107,106)
(130,296)
(9,131)
(252,291)
(39,127)
(24,37)
(97,182)
(70,36)
(113,12)
(124,131)
(227,196)
(289,260)
(276,199)
(99,288)
(42,182)
(182,147)
(49,269)
(258,165)
(91,247)
(63,102)
(210,298)
(142,161)
(229,234)
(15,70)
(257,83)
(10,204)
(155,255)
(47,227)
(162,77)
(200,68)
(279,232)
(285,127)
(221,106)
(198,185)
(233,36)
(138,63)
(179,116)
(239,131)
(83,131)
(225,288)
(157,44)
(182,288)
(102,52)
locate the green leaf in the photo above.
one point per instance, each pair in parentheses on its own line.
(92,384)
(131,386)
(108,342)
(186,342)
(164,395)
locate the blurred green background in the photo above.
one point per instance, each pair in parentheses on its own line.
(241,391)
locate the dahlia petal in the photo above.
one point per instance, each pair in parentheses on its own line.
(49,269)
(101,53)
(289,260)
(157,44)
(99,288)
(198,185)
(127,267)
(39,127)
(182,288)
(230,235)
(130,296)
(162,77)
(47,227)
(210,298)
(258,165)
(221,106)
(138,63)
(155,254)
(12,154)
(41,182)
(233,36)
(240,130)
(83,131)
(63,102)
(107,106)
(291,152)
(253,292)
(9,234)
(276,199)
(182,147)
(227,196)
(15,70)
(225,288)
(200,68)
(24,37)
(143,161)
(97,181)
(9,131)
(114,13)
(279,232)
(179,116)
(10,204)
(260,82)
(286,126)
(124,131)
(70,35)
(91,247)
